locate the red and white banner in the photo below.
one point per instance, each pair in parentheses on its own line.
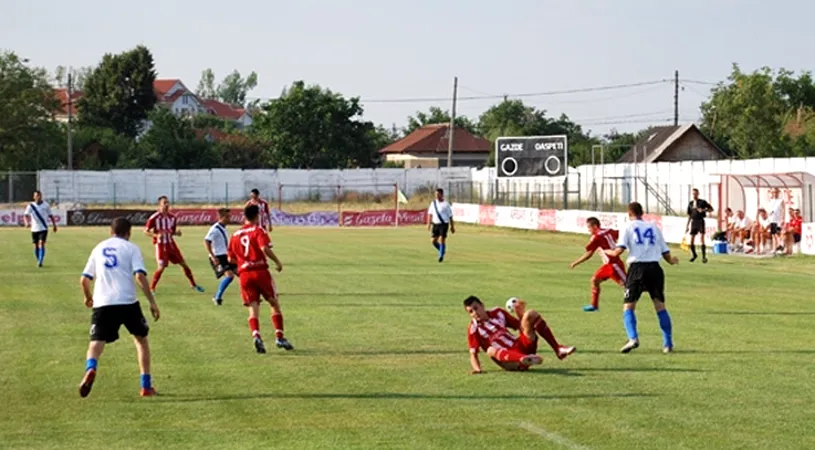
(14,217)
(382,218)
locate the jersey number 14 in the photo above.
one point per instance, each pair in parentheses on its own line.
(645,237)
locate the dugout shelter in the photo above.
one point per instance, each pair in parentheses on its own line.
(749,192)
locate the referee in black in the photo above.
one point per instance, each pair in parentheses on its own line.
(697,211)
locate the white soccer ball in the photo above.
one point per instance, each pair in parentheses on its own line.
(511,302)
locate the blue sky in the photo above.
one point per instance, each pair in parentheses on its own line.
(412,49)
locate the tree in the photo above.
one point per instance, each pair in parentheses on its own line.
(514,118)
(171,142)
(78,77)
(436,115)
(309,127)
(29,137)
(119,92)
(98,148)
(232,90)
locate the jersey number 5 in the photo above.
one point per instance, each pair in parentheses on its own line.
(245,243)
(647,235)
(111,260)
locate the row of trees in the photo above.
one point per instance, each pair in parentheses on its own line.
(763,113)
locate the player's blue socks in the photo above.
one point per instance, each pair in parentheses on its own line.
(442,249)
(146,382)
(436,245)
(630,322)
(37,253)
(665,325)
(90,364)
(41,256)
(222,287)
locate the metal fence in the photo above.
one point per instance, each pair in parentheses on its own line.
(17,187)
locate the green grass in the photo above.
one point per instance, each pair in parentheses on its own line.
(381,359)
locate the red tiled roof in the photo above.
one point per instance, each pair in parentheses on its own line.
(162,87)
(62,95)
(222,109)
(433,139)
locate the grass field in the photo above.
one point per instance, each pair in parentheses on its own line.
(381,359)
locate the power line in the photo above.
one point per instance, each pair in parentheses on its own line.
(709,83)
(522,95)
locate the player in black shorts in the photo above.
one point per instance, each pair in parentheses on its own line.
(217,243)
(697,211)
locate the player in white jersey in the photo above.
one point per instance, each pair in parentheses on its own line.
(646,247)
(36,216)
(217,244)
(111,267)
(439,221)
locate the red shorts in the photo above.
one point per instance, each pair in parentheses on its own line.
(257,283)
(613,271)
(168,253)
(524,345)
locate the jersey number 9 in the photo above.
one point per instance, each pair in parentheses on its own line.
(245,243)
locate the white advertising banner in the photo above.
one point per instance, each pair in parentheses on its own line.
(808,239)
(465,212)
(14,217)
(524,218)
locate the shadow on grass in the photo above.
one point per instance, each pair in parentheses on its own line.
(393,396)
(679,352)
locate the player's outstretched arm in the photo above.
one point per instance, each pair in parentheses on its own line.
(614,252)
(586,256)
(141,279)
(271,255)
(475,363)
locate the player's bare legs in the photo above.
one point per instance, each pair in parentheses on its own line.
(595,295)
(143,355)
(254,326)
(532,325)
(95,349)
(277,321)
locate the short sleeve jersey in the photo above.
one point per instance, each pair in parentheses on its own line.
(38,213)
(493,331)
(693,209)
(644,242)
(440,212)
(218,238)
(604,239)
(163,224)
(247,246)
(112,265)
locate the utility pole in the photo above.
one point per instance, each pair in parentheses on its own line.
(70,119)
(676,97)
(452,128)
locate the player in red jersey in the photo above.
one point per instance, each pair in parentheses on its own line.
(162,227)
(488,332)
(264,212)
(248,250)
(613,267)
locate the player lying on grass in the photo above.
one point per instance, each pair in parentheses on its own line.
(489,332)
(613,267)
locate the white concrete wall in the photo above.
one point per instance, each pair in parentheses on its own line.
(218,185)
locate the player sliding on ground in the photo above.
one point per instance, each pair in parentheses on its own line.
(112,265)
(162,227)
(488,332)
(646,247)
(613,268)
(248,250)
(35,217)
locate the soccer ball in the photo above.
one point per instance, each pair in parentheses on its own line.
(511,302)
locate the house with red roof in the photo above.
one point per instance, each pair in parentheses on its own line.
(427,147)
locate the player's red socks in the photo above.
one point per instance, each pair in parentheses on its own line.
(509,355)
(595,296)
(156,277)
(546,333)
(254,325)
(188,274)
(277,321)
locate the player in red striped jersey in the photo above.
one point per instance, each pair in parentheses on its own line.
(488,331)
(613,267)
(162,227)
(264,212)
(248,250)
